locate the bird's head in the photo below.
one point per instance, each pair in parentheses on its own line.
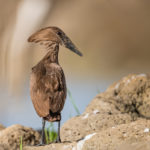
(49,35)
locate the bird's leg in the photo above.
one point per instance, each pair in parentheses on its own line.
(58,136)
(43,135)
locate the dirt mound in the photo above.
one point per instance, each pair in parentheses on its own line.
(10,138)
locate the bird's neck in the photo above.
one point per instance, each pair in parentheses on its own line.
(52,55)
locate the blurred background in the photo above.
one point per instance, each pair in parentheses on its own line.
(113,35)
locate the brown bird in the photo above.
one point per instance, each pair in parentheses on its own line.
(47,82)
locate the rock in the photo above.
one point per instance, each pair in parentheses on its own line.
(54,146)
(92,121)
(11,137)
(140,145)
(4,147)
(122,135)
(131,95)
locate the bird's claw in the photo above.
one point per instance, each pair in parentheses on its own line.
(41,144)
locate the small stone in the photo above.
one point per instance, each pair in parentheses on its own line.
(85,116)
(95,111)
(146,130)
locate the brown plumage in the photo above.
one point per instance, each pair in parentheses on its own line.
(47,82)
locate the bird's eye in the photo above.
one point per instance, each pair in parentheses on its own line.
(59,33)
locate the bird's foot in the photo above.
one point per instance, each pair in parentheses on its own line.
(41,144)
(58,140)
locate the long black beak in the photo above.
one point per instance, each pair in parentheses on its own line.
(73,48)
(69,44)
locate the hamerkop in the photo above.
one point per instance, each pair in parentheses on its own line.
(47,82)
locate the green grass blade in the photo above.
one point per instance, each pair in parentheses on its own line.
(46,136)
(21,146)
(52,135)
(73,102)
(49,131)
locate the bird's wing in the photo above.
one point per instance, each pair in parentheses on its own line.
(55,87)
(37,93)
(48,90)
